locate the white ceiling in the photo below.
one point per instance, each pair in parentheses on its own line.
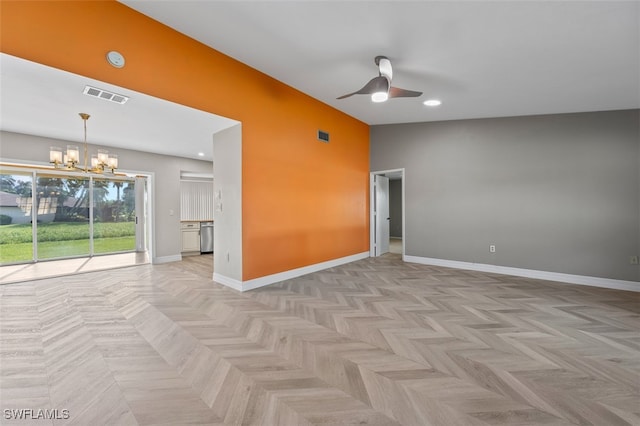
(482,59)
(44,101)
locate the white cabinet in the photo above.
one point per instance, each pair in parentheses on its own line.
(190,236)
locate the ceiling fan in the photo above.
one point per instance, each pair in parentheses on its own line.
(380,87)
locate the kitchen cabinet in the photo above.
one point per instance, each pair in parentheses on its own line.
(190,236)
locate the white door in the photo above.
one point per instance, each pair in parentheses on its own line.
(381,215)
(141,213)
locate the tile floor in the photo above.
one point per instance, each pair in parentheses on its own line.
(56,268)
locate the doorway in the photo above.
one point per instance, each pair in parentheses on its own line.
(387,212)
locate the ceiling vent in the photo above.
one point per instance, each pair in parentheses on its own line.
(103,94)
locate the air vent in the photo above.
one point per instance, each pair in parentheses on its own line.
(323,136)
(103,94)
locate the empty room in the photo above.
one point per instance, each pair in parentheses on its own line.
(319,212)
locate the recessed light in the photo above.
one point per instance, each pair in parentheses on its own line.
(201,154)
(432,102)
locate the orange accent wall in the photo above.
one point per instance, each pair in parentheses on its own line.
(304,202)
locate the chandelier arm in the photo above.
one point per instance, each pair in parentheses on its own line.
(70,160)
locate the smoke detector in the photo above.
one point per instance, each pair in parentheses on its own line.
(115,59)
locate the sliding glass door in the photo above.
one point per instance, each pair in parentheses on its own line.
(63,216)
(77,215)
(16,210)
(114,216)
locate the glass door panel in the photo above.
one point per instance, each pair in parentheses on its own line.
(63,216)
(114,216)
(16,234)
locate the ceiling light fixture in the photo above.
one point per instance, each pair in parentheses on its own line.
(201,154)
(103,162)
(432,102)
(379,97)
(379,88)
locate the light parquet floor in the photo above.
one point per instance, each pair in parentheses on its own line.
(56,268)
(376,341)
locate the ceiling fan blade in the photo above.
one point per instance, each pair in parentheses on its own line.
(376,84)
(347,95)
(396,92)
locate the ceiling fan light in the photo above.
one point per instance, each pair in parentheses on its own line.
(379,96)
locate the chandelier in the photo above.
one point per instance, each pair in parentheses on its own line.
(101,163)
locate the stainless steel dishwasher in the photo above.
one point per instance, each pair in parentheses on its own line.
(206,237)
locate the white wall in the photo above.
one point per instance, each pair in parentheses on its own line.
(227,188)
(165,185)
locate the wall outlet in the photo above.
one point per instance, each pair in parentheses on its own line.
(492,248)
(633,260)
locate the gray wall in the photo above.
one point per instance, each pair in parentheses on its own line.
(557,193)
(395,208)
(166,181)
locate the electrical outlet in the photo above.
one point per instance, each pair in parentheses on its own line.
(633,260)
(492,248)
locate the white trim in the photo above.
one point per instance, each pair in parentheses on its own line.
(293,273)
(372,222)
(196,176)
(286,275)
(529,273)
(229,282)
(151,217)
(166,259)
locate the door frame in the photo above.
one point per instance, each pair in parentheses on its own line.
(372,227)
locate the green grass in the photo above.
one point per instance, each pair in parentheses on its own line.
(110,245)
(64,240)
(64,231)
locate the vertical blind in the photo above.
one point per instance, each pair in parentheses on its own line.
(196,200)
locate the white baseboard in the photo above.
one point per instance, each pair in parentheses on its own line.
(286,275)
(529,273)
(229,282)
(166,259)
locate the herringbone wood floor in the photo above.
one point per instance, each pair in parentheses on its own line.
(377,341)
